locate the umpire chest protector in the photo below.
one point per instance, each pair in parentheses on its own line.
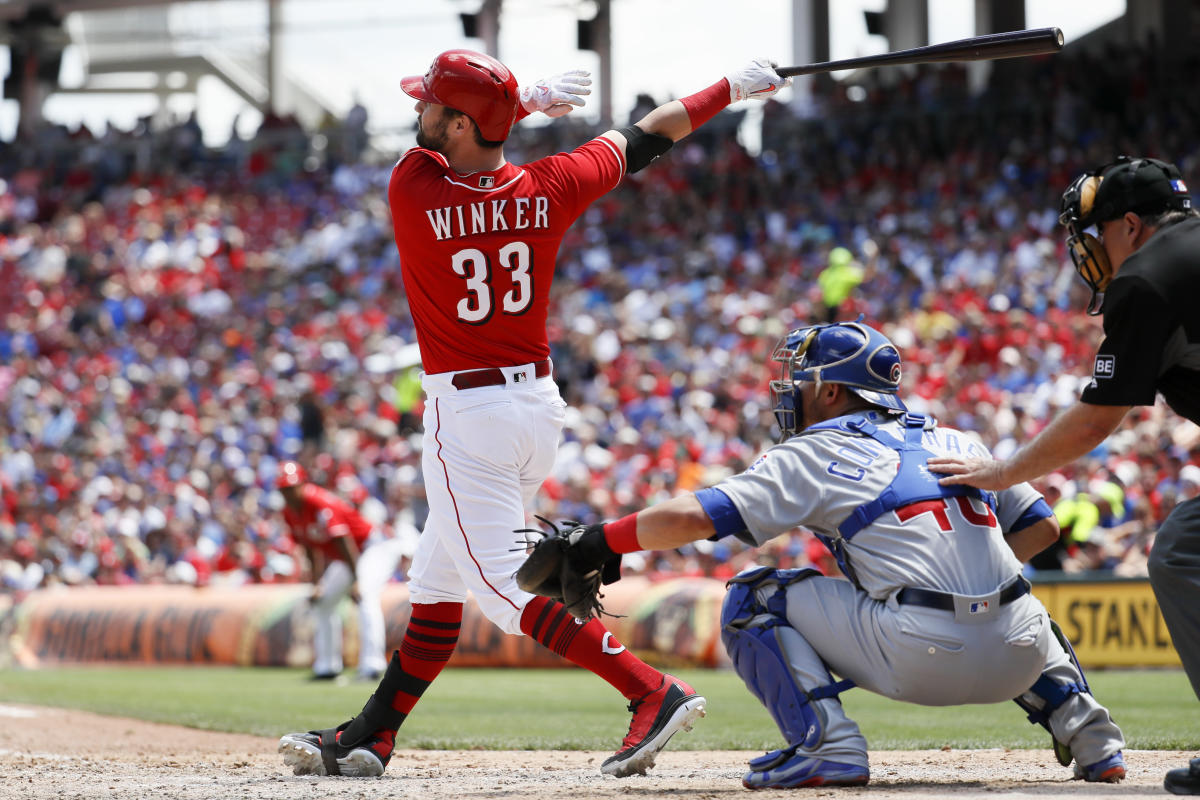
(913,482)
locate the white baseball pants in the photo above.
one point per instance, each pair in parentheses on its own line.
(486,452)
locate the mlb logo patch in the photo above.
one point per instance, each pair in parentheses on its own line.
(487,181)
(1105,367)
(979,607)
(1179,186)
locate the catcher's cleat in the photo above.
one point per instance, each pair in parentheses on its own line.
(1185,780)
(1108,770)
(787,769)
(321,753)
(657,716)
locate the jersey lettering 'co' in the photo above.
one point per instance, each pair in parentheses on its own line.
(477,253)
(858,454)
(854,457)
(489,217)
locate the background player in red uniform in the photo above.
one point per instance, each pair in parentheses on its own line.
(478,238)
(347,556)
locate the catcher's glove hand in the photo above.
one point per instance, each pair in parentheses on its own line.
(569,564)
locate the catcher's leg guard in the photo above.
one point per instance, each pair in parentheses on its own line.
(378,712)
(757,638)
(1053,694)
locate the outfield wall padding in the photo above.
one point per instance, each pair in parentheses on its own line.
(673,622)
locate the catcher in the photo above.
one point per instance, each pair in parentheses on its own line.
(935,610)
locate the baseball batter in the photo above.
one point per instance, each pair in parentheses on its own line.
(478,238)
(348,557)
(935,610)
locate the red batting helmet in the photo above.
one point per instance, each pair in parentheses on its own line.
(290,474)
(473,83)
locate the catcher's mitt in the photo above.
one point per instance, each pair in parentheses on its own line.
(569,564)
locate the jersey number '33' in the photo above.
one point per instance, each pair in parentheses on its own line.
(474,265)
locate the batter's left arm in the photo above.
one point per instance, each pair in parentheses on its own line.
(654,133)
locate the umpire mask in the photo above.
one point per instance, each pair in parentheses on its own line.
(1138,185)
(1087,253)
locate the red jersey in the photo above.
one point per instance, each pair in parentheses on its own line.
(323,518)
(477,252)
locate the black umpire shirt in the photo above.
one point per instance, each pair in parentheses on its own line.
(1152,326)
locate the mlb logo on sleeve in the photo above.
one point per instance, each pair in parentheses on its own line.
(1105,367)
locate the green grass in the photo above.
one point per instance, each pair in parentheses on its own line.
(571,710)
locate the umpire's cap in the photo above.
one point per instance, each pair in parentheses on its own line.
(473,83)
(1140,185)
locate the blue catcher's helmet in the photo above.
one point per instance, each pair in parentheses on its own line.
(850,353)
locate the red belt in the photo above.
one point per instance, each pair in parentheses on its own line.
(493,376)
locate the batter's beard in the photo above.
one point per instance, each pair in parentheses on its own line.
(435,139)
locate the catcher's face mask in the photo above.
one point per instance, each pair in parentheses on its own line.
(785,392)
(1087,253)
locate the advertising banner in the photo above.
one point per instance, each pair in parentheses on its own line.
(1112,623)
(672,623)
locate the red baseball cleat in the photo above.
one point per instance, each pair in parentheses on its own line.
(657,716)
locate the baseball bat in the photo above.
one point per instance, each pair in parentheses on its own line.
(1010,44)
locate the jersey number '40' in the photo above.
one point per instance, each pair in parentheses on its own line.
(474,265)
(939,508)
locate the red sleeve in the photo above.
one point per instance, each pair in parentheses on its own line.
(418,169)
(583,175)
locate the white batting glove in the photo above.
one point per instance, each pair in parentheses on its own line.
(758,79)
(559,95)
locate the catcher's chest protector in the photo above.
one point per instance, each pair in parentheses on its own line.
(914,483)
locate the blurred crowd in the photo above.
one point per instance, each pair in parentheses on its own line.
(179,319)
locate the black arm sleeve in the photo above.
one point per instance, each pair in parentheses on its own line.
(641,148)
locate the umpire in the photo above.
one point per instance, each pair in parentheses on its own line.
(1143,267)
